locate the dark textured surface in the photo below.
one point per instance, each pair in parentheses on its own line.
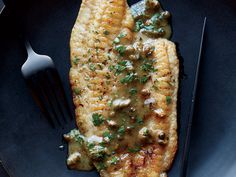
(29,147)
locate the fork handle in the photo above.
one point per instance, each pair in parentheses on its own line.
(28,48)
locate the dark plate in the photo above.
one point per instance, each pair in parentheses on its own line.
(28,145)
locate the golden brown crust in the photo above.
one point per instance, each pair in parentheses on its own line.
(90,57)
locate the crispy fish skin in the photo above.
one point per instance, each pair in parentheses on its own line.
(90,58)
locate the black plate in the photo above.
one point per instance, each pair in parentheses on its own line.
(28,145)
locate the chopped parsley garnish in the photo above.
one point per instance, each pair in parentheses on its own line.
(101,166)
(121,130)
(98,119)
(111,67)
(98,152)
(76,61)
(106,32)
(121,35)
(109,103)
(117,39)
(108,135)
(77,91)
(148,67)
(119,68)
(100,98)
(168,99)
(143,79)
(79,139)
(90,145)
(139,120)
(133,91)
(120,49)
(155,18)
(145,132)
(92,67)
(149,28)
(128,78)
(100,66)
(135,149)
(114,160)
(108,76)
(138,25)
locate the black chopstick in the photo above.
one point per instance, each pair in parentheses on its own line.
(184,161)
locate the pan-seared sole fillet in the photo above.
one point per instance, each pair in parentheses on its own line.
(125,108)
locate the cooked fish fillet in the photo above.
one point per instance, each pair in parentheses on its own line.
(98,94)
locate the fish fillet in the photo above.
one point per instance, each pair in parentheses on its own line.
(94,85)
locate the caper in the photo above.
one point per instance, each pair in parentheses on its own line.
(145,92)
(152,4)
(166,14)
(130,49)
(132,109)
(162,135)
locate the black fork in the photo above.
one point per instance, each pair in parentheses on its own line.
(46,87)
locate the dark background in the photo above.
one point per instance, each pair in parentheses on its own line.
(28,145)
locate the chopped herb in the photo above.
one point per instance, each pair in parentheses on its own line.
(119,68)
(90,145)
(133,91)
(76,61)
(77,91)
(103,144)
(168,99)
(143,79)
(135,149)
(121,130)
(106,32)
(98,119)
(97,152)
(120,49)
(109,103)
(100,66)
(155,18)
(92,67)
(138,25)
(128,78)
(149,28)
(145,132)
(114,160)
(108,56)
(108,135)
(100,98)
(121,35)
(139,120)
(108,76)
(116,40)
(148,67)
(97,40)
(111,67)
(79,139)
(101,166)
(96,32)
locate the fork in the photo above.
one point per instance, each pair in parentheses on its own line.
(44,82)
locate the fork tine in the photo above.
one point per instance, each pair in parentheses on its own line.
(43,107)
(52,89)
(47,92)
(42,90)
(62,96)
